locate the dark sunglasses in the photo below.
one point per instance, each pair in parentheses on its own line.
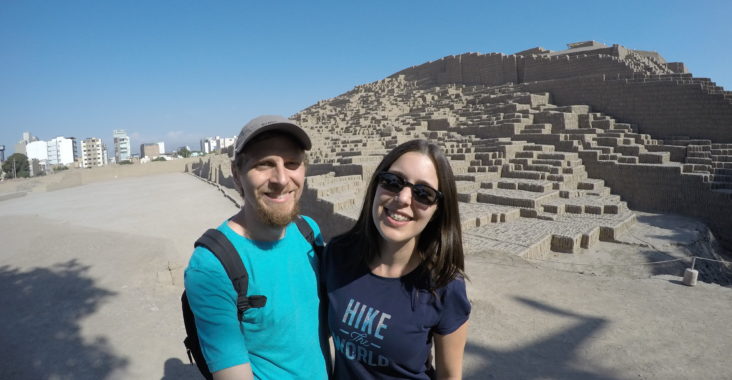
(421,193)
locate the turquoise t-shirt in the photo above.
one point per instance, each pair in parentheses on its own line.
(282,340)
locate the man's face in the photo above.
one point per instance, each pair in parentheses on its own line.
(272,179)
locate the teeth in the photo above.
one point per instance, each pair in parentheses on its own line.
(397,217)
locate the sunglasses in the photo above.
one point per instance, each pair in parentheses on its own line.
(394,183)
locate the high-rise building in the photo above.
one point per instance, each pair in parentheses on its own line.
(93,152)
(211,144)
(61,151)
(122,151)
(75,148)
(2,153)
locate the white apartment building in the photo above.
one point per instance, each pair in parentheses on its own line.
(37,150)
(93,152)
(61,151)
(122,146)
(211,144)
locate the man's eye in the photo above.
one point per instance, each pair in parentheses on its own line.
(292,165)
(263,165)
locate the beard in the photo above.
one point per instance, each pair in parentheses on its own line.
(275,217)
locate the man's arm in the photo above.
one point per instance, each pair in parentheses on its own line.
(213,302)
(237,372)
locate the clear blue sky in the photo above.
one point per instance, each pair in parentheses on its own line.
(178,71)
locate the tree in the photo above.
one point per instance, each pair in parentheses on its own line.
(17,166)
(184,152)
(161,158)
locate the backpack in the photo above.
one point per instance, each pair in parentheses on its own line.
(221,247)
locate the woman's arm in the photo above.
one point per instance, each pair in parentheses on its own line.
(449,351)
(237,372)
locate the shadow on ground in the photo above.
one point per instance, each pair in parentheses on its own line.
(40,326)
(554,357)
(175,369)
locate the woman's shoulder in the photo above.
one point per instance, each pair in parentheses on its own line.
(339,246)
(456,284)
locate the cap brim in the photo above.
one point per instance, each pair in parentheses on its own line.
(291,129)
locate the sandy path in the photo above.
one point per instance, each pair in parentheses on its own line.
(85,271)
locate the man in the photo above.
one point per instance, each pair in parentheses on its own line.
(282,339)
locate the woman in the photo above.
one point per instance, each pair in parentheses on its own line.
(395,281)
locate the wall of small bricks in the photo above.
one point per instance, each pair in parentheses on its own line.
(660,106)
(657,188)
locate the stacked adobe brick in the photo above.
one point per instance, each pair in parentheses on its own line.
(657,98)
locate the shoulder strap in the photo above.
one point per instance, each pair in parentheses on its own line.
(221,247)
(309,235)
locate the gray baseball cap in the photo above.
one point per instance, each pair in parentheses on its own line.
(267,123)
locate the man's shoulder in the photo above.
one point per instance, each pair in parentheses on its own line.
(313,224)
(202,258)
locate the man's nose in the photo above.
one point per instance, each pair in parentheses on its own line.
(279,175)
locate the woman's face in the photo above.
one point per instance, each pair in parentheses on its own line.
(397,216)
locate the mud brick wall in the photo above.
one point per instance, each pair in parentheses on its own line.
(488,69)
(661,108)
(566,66)
(661,188)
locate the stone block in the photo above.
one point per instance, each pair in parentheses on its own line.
(567,244)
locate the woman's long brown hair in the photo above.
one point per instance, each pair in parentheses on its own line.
(440,244)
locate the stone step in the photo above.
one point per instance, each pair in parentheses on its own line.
(479,177)
(516,198)
(591,184)
(699,161)
(630,150)
(473,215)
(722,158)
(523,174)
(720,178)
(694,168)
(482,168)
(654,158)
(627,160)
(557,156)
(538,148)
(537,186)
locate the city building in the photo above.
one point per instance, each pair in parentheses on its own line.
(37,150)
(27,138)
(151,150)
(2,153)
(93,152)
(61,151)
(122,151)
(212,144)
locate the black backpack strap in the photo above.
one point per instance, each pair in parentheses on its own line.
(221,247)
(309,235)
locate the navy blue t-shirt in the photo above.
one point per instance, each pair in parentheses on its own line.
(382,327)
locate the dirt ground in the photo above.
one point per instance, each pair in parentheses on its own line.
(90,281)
